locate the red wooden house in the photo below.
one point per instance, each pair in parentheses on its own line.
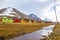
(16,20)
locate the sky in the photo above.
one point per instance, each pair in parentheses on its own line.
(41,8)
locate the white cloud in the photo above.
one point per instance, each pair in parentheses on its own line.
(12,3)
(42,0)
(58,8)
(6,3)
(58,1)
(49,15)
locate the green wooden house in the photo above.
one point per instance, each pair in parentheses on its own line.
(7,19)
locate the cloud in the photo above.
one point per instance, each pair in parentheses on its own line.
(12,3)
(42,0)
(58,9)
(6,3)
(50,15)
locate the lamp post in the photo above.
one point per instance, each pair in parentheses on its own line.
(55,11)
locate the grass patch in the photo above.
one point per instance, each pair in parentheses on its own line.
(14,29)
(56,34)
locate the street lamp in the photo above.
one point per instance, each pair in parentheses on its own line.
(56,11)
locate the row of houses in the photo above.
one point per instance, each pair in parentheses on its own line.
(15,20)
(10,19)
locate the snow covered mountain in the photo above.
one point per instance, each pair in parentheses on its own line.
(47,20)
(13,12)
(33,16)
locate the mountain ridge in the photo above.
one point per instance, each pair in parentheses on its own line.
(35,17)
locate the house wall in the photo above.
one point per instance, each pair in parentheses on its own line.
(6,19)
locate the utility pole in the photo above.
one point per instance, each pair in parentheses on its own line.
(56,11)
